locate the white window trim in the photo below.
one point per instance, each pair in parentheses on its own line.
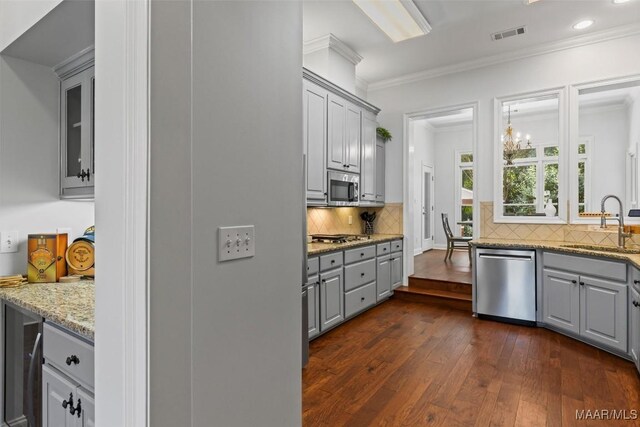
(563,185)
(458,186)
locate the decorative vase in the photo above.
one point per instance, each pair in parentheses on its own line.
(549,209)
(368,228)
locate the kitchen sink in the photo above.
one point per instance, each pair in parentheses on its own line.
(604,248)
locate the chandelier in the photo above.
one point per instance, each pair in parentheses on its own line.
(511,146)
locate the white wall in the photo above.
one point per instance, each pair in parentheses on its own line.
(17,16)
(225,338)
(29,162)
(448,140)
(424,153)
(603,60)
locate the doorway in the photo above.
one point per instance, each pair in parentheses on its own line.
(440,146)
(428,220)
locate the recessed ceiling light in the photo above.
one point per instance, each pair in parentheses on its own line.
(620,1)
(398,19)
(583,24)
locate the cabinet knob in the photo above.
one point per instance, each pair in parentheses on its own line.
(77,409)
(574,281)
(361,299)
(361,274)
(363,196)
(581,283)
(66,403)
(73,359)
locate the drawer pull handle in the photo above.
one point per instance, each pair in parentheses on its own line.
(333,261)
(362,299)
(66,403)
(362,254)
(73,359)
(636,304)
(637,282)
(361,274)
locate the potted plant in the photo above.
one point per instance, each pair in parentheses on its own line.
(383,134)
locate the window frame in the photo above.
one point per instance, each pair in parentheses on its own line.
(562,143)
(459,167)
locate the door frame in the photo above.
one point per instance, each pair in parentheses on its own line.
(432,206)
(121,206)
(407,178)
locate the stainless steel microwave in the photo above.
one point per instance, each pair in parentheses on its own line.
(343,188)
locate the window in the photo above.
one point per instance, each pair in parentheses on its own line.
(583,175)
(464,199)
(528,149)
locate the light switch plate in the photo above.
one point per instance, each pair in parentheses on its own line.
(236,242)
(8,242)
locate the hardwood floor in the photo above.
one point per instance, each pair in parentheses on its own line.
(412,364)
(431,265)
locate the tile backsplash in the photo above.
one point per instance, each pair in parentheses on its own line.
(336,220)
(573,233)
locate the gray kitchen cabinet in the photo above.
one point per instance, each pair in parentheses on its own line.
(353,138)
(368,160)
(88,414)
(336,133)
(383,277)
(561,307)
(380,171)
(396,270)
(313,299)
(603,312)
(59,395)
(331,298)
(358,274)
(77,166)
(359,299)
(634,325)
(315,142)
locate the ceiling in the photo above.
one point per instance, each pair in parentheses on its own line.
(461,30)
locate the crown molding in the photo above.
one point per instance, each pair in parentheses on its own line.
(578,41)
(330,41)
(76,63)
(332,87)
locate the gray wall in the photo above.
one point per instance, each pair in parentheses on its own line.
(225,337)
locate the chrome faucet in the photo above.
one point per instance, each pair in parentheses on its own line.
(622,236)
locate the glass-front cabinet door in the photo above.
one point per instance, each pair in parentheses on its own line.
(77,170)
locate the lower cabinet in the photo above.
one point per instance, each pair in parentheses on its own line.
(593,308)
(359,299)
(313,295)
(383,279)
(64,403)
(396,270)
(634,313)
(331,298)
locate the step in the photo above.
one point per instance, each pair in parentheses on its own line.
(435,296)
(443,285)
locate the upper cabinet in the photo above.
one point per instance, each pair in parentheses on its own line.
(315,137)
(339,134)
(380,170)
(77,166)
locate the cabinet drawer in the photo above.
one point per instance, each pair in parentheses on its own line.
(359,254)
(331,261)
(587,265)
(359,299)
(59,347)
(313,266)
(396,246)
(358,274)
(384,248)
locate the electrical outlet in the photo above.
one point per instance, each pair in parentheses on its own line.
(8,242)
(236,242)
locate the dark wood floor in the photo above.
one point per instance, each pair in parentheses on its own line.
(411,364)
(431,265)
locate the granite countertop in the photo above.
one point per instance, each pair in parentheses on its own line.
(558,246)
(71,305)
(319,248)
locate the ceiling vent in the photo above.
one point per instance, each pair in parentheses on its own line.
(508,33)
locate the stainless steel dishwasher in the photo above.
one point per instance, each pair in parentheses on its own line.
(506,285)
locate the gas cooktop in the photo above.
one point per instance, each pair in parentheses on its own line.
(337,238)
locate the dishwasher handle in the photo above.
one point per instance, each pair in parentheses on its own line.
(507,257)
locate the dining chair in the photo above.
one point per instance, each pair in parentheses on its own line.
(454,242)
